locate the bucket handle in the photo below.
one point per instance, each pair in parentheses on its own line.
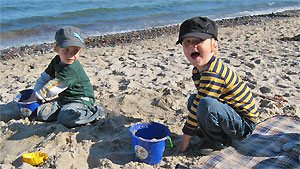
(170,141)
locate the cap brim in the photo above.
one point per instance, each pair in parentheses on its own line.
(202,36)
(71,43)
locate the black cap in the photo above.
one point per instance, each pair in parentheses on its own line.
(69,36)
(199,27)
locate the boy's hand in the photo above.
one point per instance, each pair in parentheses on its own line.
(185,141)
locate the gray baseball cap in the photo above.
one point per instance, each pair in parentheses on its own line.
(69,36)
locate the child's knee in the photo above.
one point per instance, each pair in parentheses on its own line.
(47,112)
(207,109)
(207,101)
(66,116)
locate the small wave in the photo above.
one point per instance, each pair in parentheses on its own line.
(6,25)
(8,8)
(18,33)
(262,11)
(271,3)
(110,12)
(87,15)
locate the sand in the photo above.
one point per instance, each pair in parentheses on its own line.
(148,80)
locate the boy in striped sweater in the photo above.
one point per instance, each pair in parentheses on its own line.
(223,108)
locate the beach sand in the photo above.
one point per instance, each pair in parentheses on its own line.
(149,80)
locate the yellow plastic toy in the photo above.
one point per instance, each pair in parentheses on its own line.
(35,158)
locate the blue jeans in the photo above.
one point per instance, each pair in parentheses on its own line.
(70,115)
(218,122)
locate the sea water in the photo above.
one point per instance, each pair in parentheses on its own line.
(26,22)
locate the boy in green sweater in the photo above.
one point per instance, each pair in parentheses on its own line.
(65,77)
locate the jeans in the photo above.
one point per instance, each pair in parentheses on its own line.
(218,122)
(70,115)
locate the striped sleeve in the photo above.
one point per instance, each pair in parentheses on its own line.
(241,99)
(239,96)
(50,89)
(236,92)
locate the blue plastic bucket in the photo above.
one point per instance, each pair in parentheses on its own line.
(26,108)
(149,140)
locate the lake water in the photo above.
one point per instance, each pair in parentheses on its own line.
(25,22)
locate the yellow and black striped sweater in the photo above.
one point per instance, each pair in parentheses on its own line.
(219,82)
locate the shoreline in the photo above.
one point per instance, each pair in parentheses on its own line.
(112,40)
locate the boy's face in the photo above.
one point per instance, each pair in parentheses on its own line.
(69,54)
(197,51)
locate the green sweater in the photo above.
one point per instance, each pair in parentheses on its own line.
(79,86)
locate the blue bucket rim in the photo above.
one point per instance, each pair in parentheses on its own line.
(18,97)
(147,140)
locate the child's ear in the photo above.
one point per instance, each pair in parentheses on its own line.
(215,44)
(214,47)
(56,47)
